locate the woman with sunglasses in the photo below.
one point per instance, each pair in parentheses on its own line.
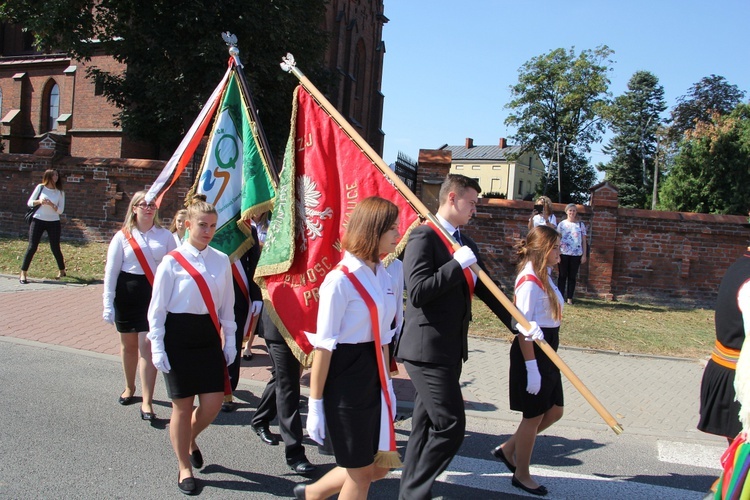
(133,255)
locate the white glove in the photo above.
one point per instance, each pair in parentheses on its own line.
(533,378)
(465,257)
(160,360)
(533,333)
(392,396)
(108,315)
(316,420)
(256,307)
(230,351)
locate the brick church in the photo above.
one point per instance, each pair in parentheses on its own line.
(49,107)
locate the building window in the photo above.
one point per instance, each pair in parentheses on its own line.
(459,167)
(50,107)
(475,167)
(496,167)
(520,187)
(98,87)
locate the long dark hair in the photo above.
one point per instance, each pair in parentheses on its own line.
(47,178)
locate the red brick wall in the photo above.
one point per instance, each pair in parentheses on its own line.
(97,193)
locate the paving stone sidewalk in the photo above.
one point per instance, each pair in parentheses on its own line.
(649,395)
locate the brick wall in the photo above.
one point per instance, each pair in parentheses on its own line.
(97,192)
(643,255)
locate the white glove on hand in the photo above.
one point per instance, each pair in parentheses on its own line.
(160,360)
(316,420)
(465,257)
(256,307)
(230,351)
(392,396)
(533,378)
(108,315)
(533,333)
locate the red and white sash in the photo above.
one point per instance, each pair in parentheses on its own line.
(467,271)
(375,322)
(148,265)
(208,300)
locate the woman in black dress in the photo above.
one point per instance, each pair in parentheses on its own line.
(535,382)
(191,316)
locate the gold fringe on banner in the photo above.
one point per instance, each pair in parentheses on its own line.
(388,459)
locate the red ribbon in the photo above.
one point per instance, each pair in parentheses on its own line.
(138,251)
(467,271)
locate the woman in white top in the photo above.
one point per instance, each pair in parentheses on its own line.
(177,228)
(190,317)
(546,218)
(535,381)
(345,383)
(127,293)
(572,251)
(50,199)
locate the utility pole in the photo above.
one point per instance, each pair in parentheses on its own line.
(654,194)
(559,173)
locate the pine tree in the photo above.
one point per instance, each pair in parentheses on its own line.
(634,118)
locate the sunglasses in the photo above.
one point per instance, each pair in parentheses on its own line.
(146,206)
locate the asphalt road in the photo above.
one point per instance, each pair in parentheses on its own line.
(64,436)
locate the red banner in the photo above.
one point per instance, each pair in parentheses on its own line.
(331,176)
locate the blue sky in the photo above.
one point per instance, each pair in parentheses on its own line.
(449,64)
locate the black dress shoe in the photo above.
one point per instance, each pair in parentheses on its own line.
(302,467)
(265,435)
(146,415)
(228,406)
(299,491)
(23,281)
(129,400)
(187,485)
(498,453)
(196,459)
(247,357)
(539,490)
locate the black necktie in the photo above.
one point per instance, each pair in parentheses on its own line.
(457,237)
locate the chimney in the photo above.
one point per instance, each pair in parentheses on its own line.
(469,143)
(503,143)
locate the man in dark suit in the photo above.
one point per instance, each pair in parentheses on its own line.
(434,341)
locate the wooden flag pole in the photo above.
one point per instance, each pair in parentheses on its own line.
(289,65)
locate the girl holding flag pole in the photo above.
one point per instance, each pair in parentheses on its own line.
(191,316)
(350,386)
(132,257)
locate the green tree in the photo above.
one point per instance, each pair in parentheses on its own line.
(175,55)
(710,173)
(634,119)
(712,94)
(557,106)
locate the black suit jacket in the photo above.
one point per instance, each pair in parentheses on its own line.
(438,307)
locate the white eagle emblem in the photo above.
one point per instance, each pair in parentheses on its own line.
(309,218)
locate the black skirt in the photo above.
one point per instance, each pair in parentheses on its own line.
(195,356)
(551,392)
(132,296)
(351,399)
(719,411)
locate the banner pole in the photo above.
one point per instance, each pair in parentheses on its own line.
(289,65)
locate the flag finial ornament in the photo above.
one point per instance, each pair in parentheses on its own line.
(229,38)
(288,62)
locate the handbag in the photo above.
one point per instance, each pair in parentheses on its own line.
(31,211)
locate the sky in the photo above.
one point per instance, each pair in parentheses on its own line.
(449,65)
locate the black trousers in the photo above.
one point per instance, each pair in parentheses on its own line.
(438,426)
(568,268)
(36,229)
(281,398)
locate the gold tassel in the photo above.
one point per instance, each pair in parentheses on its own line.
(388,460)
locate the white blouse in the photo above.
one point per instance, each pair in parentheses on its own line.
(46,212)
(155,243)
(532,300)
(539,220)
(343,316)
(176,291)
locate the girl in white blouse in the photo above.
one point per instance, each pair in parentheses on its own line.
(191,316)
(350,379)
(132,257)
(535,381)
(50,199)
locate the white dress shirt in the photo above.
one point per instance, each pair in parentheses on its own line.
(532,300)
(155,243)
(176,291)
(46,212)
(343,316)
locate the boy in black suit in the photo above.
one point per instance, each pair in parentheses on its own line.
(434,343)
